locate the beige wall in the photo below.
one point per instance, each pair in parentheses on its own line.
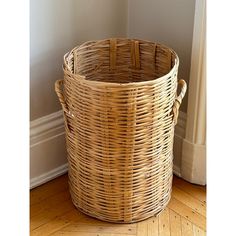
(56,26)
(167,21)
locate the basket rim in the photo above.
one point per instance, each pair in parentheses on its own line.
(83,79)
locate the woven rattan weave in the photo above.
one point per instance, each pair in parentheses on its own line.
(120,103)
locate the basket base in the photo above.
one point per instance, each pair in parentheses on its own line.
(147,216)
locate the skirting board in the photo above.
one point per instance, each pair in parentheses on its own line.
(176,171)
(48,151)
(39,180)
(178,143)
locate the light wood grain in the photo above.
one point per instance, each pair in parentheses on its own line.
(153,226)
(175,223)
(186,227)
(84,234)
(142,228)
(194,190)
(187,213)
(48,215)
(198,231)
(50,189)
(49,203)
(164,223)
(62,218)
(189,201)
(100,229)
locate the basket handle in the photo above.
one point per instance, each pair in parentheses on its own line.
(178,100)
(60,95)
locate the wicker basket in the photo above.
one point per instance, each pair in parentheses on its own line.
(119,98)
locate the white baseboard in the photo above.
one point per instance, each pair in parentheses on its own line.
(176,170)
(181,125)
(39,180)
(46,127)
(47,149)
(178,142)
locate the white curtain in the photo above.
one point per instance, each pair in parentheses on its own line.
(193,164)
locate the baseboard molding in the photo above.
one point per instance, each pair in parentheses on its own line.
(178,142)
(176,170)
(39,180)
(46,127)
(47,149)
(181,125)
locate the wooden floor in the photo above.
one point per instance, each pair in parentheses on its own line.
(52,213)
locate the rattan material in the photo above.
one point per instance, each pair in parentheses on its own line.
(120,107)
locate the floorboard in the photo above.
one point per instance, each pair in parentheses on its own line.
(52,213)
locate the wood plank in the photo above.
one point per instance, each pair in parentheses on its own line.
(198,232)
(194,190)
(187,213)
(51,227)
(49,189)
(46,216)
(52,213)
(49,203)
(186,227)
(87,220)
(142,228)
(80,222)
(83,234)
(126,229)
(164,223)
(175,224)
(189,201)
(58,223)
(153,226)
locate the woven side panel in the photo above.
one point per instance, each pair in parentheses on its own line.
(120,135)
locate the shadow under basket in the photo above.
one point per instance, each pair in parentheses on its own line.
(120,103)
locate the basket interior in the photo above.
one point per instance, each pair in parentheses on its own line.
(121,60)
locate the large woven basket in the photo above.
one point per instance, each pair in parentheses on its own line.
(119,98)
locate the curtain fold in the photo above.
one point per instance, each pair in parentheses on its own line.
(193,163)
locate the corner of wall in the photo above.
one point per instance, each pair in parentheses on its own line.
(178,143)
